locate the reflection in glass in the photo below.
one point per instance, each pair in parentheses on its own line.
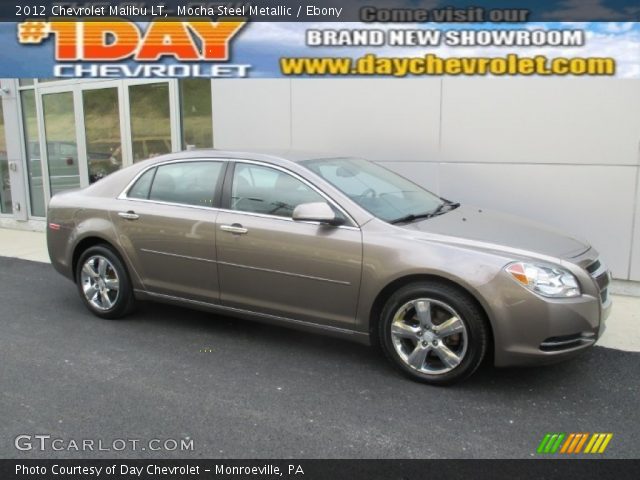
(60,134)
(195,96)
(189,183)
(5,185)
(32,147)
(150,123)
(102,132)
(25,82)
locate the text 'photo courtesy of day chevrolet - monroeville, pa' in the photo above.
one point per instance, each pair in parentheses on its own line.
(312,239)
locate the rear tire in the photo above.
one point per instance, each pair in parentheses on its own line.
(103,283)
(433,332)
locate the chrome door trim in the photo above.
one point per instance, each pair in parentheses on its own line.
(228,264)
(224,308)
(298,275)
(157,252)
(286,219)
(169,204)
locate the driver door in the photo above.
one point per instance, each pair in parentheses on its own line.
(269,263)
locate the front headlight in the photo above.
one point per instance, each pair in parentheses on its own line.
(545,280)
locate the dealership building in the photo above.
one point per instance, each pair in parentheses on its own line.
(565,152)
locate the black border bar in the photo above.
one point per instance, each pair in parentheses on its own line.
(325,10)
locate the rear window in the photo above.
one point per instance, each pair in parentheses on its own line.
(140,189)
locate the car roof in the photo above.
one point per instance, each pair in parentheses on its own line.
(250,154)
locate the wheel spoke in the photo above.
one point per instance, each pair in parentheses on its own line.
(105,300)
(402,330)
(423,310)
(87,269)
(417,357)
(450,327)
(102,267)
(112,284)
(91,292)
(449,358)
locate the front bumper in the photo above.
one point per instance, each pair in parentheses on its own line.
(532,330)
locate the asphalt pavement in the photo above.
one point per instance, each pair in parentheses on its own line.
(241,389)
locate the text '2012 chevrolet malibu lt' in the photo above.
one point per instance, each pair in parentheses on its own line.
(334,245)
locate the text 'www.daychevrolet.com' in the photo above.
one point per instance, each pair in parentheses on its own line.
(434,65)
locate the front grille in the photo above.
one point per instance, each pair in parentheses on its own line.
(593,267)
(604,295)
(601,276)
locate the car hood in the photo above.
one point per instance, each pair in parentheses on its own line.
(502,231)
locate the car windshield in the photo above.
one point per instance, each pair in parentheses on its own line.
(382,192)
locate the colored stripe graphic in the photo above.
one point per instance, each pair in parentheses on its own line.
(581,443)
(567,442)
(550,443)
(543,443)
(573,443)
(598,443)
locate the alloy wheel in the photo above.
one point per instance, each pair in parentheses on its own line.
(100,282)
(429,336)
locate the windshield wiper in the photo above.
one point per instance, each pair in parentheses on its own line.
(441,207)
(412,217)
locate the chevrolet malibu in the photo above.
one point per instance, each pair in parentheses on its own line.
(334,245)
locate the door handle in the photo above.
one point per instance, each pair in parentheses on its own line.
(130,215)
(235,228)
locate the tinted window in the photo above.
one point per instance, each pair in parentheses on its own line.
(189,183)
(268,191)
(141,188)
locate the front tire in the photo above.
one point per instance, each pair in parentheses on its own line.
(433,332)
(103,283)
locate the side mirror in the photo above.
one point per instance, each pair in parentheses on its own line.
(315,212)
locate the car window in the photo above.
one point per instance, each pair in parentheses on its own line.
(385,194)
(189,183)
(141,188)
(265,190)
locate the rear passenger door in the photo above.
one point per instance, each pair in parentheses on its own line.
(166,223)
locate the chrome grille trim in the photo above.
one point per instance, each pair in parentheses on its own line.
(566,342)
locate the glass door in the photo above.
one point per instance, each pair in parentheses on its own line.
(60,147)
(151,110)
(103,132)
(83,133)
(90,129)
(5,184)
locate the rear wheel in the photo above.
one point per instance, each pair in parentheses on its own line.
(103,283)
(433,332)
